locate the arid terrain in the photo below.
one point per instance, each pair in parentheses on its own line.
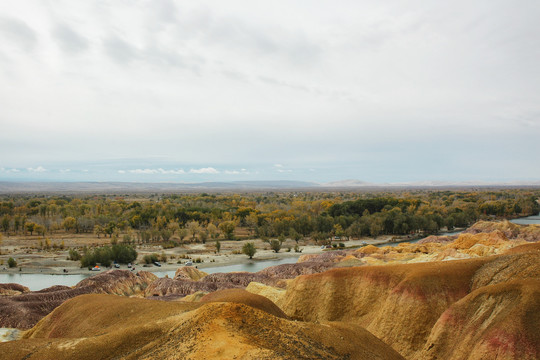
(31,259)
(474,295)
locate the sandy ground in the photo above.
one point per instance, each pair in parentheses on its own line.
(35,261)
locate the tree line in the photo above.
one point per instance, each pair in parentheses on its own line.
(178,218)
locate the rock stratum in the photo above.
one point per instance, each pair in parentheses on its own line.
(24,308)
(131,328)
(471,296)
(482,308)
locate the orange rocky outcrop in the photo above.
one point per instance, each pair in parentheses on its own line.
(494,322)
(401,304)
(131,328)
(189,273)
(530,233)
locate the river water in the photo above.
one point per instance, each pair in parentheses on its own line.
(41,281)
(529,220)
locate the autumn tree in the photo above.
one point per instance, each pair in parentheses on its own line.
(30,227)
(193,229)
(212,231)
(98,230)
(182,233)
(227,227)
(69,223)
(40,229)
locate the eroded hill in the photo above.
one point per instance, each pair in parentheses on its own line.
(105,327)
(472,296)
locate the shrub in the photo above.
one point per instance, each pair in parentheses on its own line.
(249,249)
(12,263)
(74,255)
(341,245)
(105,255)
(123,254)
(275,245)
(149,259)
(170,244)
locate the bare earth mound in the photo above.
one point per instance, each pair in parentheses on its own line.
(401,304)
(24,310)
(130,328)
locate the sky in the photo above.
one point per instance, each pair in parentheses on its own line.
(193,91)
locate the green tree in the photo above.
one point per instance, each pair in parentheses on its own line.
(275,245)
(249,249)
(98,230)
(11,262)
(295,235)
(109,229)
(218,246)
(5,223)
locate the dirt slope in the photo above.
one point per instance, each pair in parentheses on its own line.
(24,310)
(494,322)
(105,326)
(400,304)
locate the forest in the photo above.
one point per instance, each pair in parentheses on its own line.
(174,219)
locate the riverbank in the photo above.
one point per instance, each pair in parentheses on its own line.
(56,263)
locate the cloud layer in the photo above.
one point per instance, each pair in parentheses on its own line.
(167,90)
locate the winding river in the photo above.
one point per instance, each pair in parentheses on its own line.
(41,281)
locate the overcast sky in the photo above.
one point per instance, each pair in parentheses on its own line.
(162,90)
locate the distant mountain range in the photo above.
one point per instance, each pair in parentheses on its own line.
(130,187)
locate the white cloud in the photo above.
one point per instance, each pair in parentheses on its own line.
(280,169)
(39,169)
(143,171)
(176,172)
(207,170)
(322,93)
(155,171)
(236,172)
(121,171)
(64,171)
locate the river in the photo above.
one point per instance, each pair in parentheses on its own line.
(529,220)
(41,281)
